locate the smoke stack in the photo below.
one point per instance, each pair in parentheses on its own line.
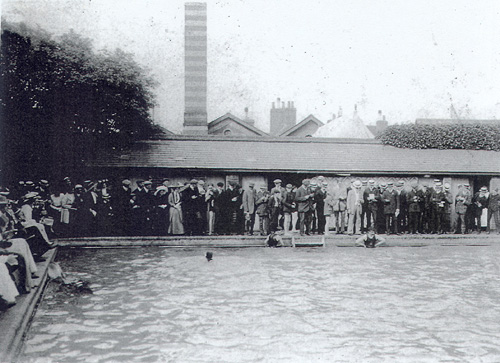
(195,64)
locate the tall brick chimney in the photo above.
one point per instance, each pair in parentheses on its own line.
(195,65)
(282,118)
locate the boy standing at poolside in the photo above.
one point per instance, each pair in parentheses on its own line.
(370,240)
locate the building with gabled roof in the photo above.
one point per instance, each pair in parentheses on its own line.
(230,125)
(305,128)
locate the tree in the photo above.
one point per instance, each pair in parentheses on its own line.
(61,102)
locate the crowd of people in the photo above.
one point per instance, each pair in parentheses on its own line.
(32,213)
(99,208)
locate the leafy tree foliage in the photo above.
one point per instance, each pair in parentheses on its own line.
(61,102)
(456,136)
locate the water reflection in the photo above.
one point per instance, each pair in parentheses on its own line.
(288,305)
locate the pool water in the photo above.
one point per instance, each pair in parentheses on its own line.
(273,305)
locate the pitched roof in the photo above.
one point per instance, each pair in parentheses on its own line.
(301,124)
(228,116)
(298,155)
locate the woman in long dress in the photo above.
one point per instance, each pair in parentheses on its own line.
(174,201)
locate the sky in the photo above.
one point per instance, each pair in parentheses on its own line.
(408,58)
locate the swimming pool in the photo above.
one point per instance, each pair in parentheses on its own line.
(274,305)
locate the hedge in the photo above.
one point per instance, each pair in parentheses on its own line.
(456,136)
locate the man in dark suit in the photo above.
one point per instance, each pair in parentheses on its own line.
(391,207)
(319,200)
(220,209)
(189,208)
(122,208)
(414,198)
(304,200)
(371,198)
(145,199)
(402,217)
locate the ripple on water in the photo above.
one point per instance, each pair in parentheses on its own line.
(287,305)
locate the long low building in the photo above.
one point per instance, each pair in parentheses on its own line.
(291,159)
